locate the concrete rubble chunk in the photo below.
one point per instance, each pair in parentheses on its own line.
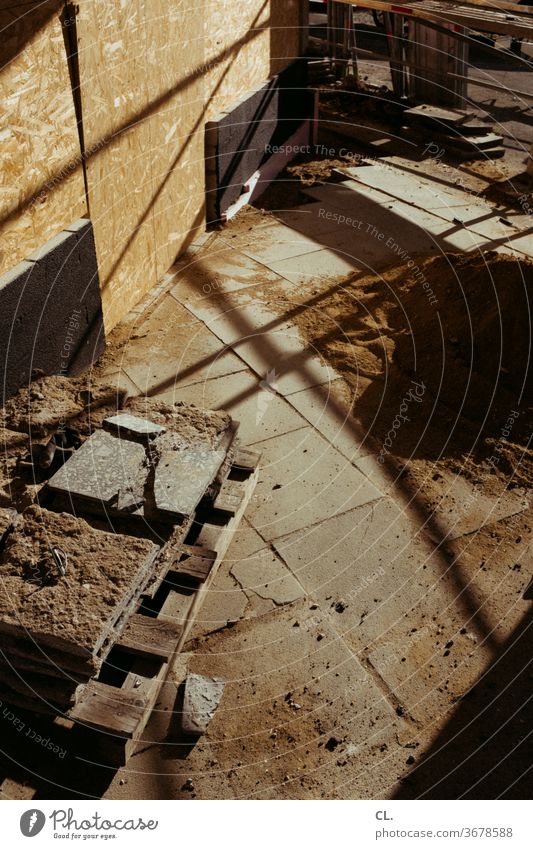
(202,697)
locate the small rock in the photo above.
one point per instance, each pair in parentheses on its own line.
(202,698)
(410,760)
(189,786)
(340,606)
(320,637)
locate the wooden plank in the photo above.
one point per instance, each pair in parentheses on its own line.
(41,185)
(106,708)
(219,540)
(246,459)
(229,497)
(196,562)
(482,19)
(146,636)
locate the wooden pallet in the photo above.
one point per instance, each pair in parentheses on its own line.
(110,716)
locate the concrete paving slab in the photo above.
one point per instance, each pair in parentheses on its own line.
(455,505)
(102,467)
(183,477)
(372,559)
(261,413)
(308,219)
(274,243)
(178,359)
(284,361)
(264,574)
(218,269)
(237,315)
(330,410)
(425,677)
(403,185)
(295,710)
(319,264)
(304,480)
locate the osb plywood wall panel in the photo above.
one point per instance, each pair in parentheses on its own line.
(112,50)
(41,183)
(175,57)
(286,22)
(237,50)
(143,107)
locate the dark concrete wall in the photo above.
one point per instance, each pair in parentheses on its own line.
(51,310)
(237,141)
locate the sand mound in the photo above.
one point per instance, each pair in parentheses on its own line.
(460,324)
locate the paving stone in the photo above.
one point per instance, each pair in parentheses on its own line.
(452,505)
(319,264)
(237,316)
(304,480)
(101,467)
(202,697)
(218,270)
(277,242)
(373,558)
(264,574)
(175,359)
(396,184)
(286,361)
(288,692)
(329,409)
(132,425)
(182,478)
(259,409)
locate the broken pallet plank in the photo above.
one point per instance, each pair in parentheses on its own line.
(144,635)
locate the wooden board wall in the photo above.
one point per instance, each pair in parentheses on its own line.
(41,184)
(176,50)
(142,108)
(288,22)
(237,51)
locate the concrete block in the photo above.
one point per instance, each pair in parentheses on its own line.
(50,310)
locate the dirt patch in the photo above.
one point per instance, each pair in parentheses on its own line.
(48,402)
(458,326)
(75,612)
(187,424)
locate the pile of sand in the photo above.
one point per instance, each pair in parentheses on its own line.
(460,324)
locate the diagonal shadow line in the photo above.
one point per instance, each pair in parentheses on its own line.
(142,114)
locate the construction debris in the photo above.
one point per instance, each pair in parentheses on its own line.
(62,621)
(202,698)
(70,589)
(455,131)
